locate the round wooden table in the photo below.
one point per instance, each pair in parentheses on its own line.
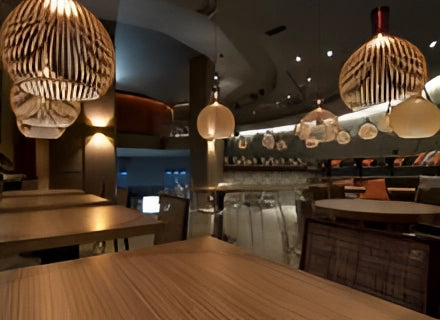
(402,212)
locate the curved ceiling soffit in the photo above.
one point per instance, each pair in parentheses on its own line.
(242,64)
(152,64)
(109,11)
(241,32)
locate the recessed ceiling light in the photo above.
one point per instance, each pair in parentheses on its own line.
(329,53)
(433,44)
(298,59)
(289,96)
(309,79)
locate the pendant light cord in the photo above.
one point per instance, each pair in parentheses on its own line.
(215,85)
(318,80)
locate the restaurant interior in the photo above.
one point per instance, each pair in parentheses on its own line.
(204,159)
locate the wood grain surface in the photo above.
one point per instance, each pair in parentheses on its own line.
(377,210)
(202,278)
(391,266)
(40,192)
(49,201)
(44,229)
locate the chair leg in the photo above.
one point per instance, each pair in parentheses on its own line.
(127,247)
(115,244)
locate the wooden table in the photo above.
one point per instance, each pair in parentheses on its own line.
(44,229)
(201,278)
(40,192)
(49,201)
(403,212)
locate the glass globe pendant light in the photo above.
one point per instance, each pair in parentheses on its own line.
(319,125)
(57,50)
(415,117)
(343,137)
(215,121)
(385,69)
(368,131)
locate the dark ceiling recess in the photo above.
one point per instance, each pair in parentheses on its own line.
(275,30)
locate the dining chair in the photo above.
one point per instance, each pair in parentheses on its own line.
(121,199)
(174,212)
(375,189)
(428,190)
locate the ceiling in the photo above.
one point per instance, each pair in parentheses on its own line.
(259,78)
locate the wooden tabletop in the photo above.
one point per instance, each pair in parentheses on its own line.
(40,192)
(377,210)
(49,201)
(44,229)
(201,278)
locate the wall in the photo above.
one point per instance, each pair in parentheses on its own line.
(84,156)
(384,145)
(7,119)
(144,172)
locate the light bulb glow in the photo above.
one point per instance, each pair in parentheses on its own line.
(75,62)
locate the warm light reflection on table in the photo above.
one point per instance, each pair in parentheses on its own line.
(43,229)
(200,278)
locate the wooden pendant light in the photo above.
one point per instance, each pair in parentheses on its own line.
(385,69)
(57,50)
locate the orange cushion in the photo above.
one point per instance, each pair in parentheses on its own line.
(335,163)
(418,161)
(375,189)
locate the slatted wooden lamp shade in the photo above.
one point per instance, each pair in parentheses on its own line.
(57,50)
(385,69)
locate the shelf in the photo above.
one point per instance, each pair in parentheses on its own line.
(382,171)
(259,167)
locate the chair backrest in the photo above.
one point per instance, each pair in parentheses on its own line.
(326,192)
(174,212)
(428,190)
(122,196)
(375,189)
